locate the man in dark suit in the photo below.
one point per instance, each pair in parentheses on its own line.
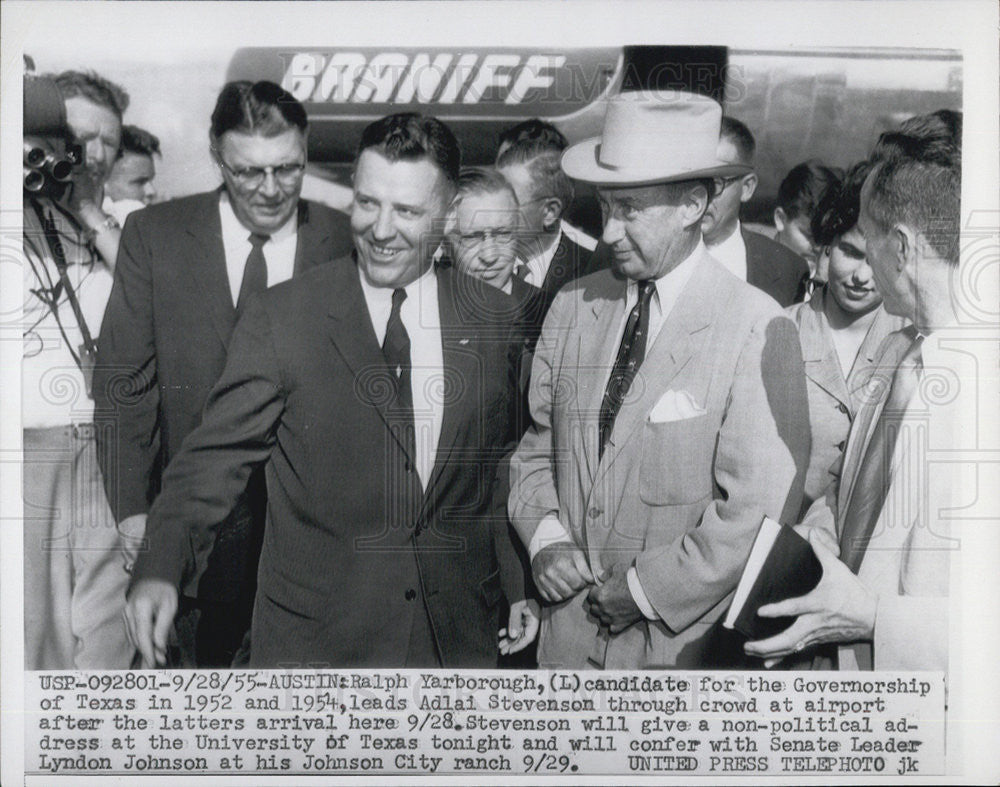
(552,251)
(484,226)
(379,402)
(750,256)
(185,270)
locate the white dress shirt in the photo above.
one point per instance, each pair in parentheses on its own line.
(422,320)
(538,266)
(732,253)
(53,387)
(279,251)
(120,209)
(668,289)
(578,236)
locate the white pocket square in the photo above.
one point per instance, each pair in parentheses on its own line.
(675,406)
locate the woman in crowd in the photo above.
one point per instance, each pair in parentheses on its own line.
(840,328)
(798,197)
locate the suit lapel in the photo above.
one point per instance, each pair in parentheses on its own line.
(202,249)
(461,356)
(867,417)
(759,273)
(822,365)
(313,246)
(558,273)
(353,338)
(594,360)
(883,325)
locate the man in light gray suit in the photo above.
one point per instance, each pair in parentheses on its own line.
(669,407)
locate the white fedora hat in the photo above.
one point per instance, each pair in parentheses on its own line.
(652,136)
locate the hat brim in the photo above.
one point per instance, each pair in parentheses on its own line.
(581,162)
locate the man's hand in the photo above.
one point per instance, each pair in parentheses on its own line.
(839,609)
(86,191)
(826,538)
(612,603)
(132,531)
(522,627)
(560,571)
(149,611)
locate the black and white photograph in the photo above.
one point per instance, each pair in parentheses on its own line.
(500,392)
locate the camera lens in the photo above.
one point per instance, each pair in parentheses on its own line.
(33,180)
(33,156)
(59,169)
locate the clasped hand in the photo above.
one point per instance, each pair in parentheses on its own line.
(561,571)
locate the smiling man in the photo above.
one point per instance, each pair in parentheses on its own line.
(130,185)
(378,402)
(669,409)
(185,271)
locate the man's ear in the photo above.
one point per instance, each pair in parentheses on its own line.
(695,204)
(552,210)
(748,186)
(780,219)
(905,245)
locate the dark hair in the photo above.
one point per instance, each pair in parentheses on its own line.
(539,145)
(804,186)
(262,108)
(483,180)
(138,140)
(838,209)
(410,137)
(935,137)
(945,124)
(527,140)
(924,194)
(740,136)
(92,87)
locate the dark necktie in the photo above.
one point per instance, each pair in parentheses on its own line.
(255,271)
(396,350)
(872,483)
(521,271)
(630,356)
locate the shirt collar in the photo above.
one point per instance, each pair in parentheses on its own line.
(421,288)
(669,285)
(232,227)
(543,258)
(733,242)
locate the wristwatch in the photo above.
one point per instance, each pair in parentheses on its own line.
(109,223)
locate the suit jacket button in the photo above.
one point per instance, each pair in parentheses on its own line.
(409,467)
(842,407)
(410,594)
(594,513)
(841,445)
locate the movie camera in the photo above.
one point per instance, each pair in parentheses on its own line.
(50,151)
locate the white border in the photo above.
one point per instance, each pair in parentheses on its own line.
(164,32)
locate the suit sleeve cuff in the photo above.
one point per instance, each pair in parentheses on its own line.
(549,531)
(639,595)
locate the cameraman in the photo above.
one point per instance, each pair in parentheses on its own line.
(74,574)
(94,109)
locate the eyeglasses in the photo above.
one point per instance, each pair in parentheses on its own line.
(253,177)
(500,235)
(721,184)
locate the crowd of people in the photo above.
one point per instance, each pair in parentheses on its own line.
(450,429)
